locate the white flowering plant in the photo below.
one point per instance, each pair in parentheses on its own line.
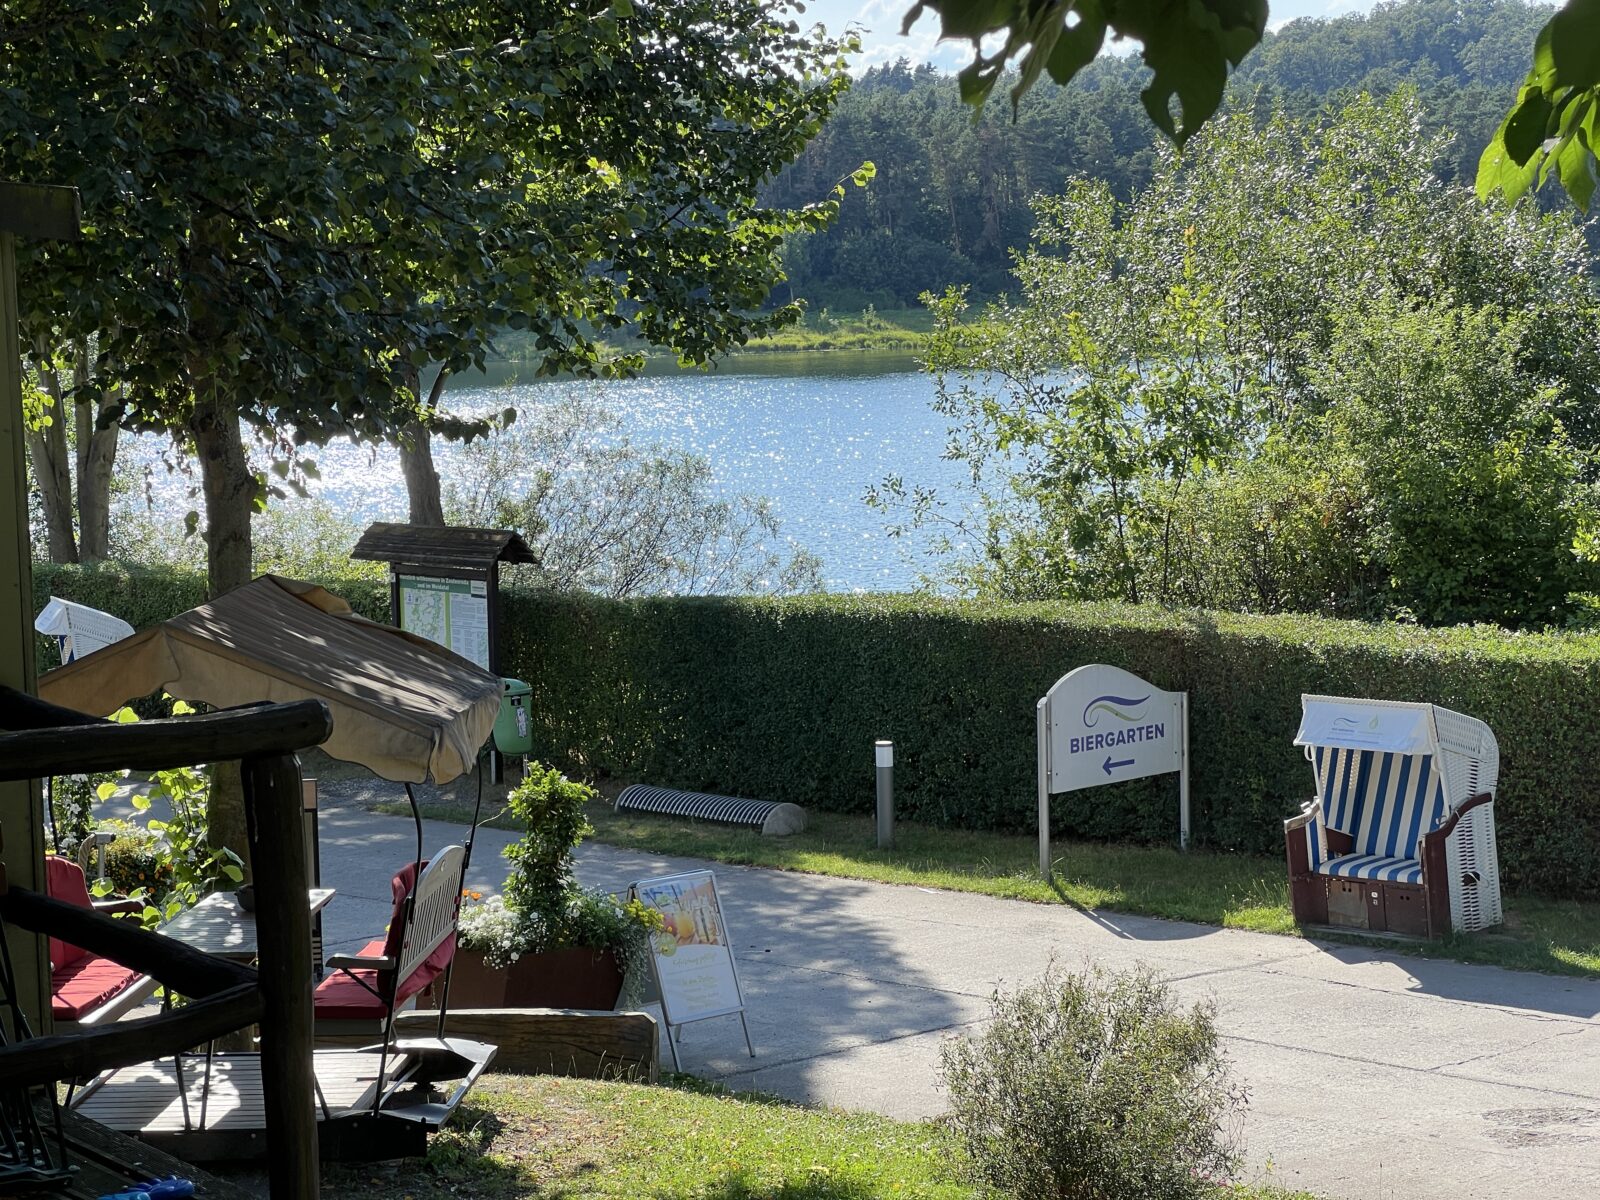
(544,908)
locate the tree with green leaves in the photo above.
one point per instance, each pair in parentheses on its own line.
(951,196)
(619,155)
(1296,371)
(289,209)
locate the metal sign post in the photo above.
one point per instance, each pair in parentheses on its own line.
(1100,725)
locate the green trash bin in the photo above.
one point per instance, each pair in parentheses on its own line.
(513,732)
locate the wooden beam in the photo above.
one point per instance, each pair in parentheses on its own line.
(552,1041)
(273,823)
(21,804)
(188,971)
(157,745)
(36,210)
(43,1060)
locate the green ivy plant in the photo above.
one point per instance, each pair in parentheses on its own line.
(186,866)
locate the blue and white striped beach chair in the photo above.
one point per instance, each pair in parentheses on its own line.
(1400,835)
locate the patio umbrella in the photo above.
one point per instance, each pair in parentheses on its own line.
(404,707)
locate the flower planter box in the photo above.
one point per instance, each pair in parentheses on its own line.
(576,978)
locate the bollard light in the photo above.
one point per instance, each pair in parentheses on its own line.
(883,751)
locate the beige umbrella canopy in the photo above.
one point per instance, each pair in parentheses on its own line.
(402,706)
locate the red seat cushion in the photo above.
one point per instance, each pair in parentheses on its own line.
(63,880)
(83,986)
(340,998)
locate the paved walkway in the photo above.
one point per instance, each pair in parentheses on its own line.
(1371,1075)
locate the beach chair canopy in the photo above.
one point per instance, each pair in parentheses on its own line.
(79,629)
(1465,758)
(404,707)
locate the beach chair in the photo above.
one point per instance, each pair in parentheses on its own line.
(1400,835)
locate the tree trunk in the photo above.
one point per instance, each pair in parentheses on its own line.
(228,487)
(47,448)
(416,459)
(230,492)
(97,456)
(422,478)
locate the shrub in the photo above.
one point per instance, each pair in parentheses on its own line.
(135,864)
(544,908)
(1095,1087)
(72,800)
(782,699)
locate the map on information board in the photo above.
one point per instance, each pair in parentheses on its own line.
(452,612)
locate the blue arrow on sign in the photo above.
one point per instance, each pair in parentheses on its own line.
(1108,766)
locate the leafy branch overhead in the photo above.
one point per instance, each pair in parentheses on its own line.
(1554,124)
(1191,45)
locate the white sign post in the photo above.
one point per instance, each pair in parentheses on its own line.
(1101,725)
(693,954)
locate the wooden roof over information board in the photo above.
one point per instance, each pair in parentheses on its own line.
(453,546)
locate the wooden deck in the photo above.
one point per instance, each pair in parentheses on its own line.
(145,1098)
(225,1120)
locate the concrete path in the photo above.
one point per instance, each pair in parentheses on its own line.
(1371,1075)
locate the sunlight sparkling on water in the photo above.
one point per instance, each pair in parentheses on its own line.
(811,436)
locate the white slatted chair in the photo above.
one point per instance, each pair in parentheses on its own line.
(358,999)
(1400,836)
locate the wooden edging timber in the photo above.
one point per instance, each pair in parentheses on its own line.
(552,1041)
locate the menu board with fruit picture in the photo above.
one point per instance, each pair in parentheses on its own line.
(692,952)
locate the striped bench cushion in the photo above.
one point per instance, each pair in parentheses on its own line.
(1385,802)
(1373,866)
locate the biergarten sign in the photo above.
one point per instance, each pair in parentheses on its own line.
(1100,725)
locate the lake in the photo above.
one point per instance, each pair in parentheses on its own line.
(808,431)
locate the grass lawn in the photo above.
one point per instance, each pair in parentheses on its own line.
(575,1139)
(1233,890)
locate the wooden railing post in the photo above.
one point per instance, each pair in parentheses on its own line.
(283,931)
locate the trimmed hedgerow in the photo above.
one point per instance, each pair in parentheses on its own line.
(782,699)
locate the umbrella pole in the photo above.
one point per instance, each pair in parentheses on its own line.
(416,817)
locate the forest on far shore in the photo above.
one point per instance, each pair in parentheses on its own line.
(952,193)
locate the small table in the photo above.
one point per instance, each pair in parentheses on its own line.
(218,925)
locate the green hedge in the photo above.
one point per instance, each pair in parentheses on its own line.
(782,699)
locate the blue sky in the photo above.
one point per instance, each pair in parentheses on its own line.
(882,18)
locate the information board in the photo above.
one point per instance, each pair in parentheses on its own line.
(1101,724)
(452,612)
(692,954)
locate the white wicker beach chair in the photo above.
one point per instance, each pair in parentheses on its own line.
(1400,835)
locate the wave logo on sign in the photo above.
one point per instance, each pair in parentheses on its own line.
(1120,707)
